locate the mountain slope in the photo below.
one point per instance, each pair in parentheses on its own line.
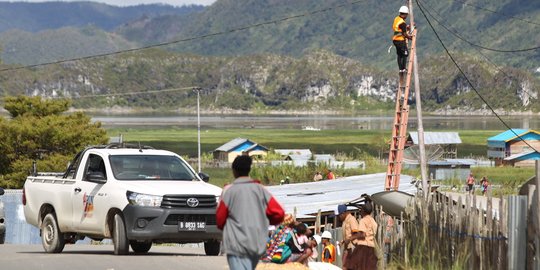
(35,17)
(32,33)
(360,31)
(320,80)
(52,45)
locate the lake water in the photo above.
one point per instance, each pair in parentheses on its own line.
(369,122)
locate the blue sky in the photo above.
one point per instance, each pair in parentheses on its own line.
(133,2)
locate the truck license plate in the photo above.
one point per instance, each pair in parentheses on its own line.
(191,226)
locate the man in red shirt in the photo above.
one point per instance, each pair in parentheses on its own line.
(330,175)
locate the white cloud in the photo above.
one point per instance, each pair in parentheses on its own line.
(132,2)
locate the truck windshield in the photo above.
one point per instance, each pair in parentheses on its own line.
(150,167)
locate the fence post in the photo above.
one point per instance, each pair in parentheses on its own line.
(517,231)
(535,212)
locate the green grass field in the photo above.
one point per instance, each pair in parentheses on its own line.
(366,145)
(184,141)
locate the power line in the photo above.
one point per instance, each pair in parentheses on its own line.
(497,12)
(469,81)
(247,27)
(454,29)
(476,45)
(129,93)
(497,67)
(140,92)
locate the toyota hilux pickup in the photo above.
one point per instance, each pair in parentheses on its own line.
(134,195)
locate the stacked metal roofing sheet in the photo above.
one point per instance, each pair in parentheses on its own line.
(309,198)
(286,152)
(437,138)
(231,144)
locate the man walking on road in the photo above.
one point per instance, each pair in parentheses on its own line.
(399,39)
(244,213)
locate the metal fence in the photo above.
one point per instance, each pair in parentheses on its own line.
(17,230)
(473,232)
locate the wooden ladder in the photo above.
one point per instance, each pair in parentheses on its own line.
(399,128)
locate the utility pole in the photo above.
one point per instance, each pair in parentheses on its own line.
(421,146)
(198,90)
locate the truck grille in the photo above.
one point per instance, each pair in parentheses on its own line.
(189,201)
(173,219)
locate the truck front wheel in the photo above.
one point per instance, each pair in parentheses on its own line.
(120,241)
(212,247)
(51,237)
(140,247)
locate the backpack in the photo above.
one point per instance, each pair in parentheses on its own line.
(283,251)
(277,250)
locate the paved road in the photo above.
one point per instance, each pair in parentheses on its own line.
(101,257)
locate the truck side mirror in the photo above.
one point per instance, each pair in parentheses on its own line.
(1,191)
(96,177)
(205,177)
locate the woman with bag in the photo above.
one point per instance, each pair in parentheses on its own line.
(277,250)
(364,256)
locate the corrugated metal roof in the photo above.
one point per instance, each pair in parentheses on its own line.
(468,162)
(529,155)
(437,138)
(231,144)
(510,134)
(299,157)
(255,147)
(324,158)
(325,195)
(286,152)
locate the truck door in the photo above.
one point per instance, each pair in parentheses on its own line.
(89,201)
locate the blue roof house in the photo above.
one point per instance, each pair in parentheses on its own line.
(515,147)
(239,146)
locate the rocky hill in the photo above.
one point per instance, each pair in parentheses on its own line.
(336,59)
(320,80)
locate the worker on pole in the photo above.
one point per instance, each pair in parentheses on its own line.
(400,37)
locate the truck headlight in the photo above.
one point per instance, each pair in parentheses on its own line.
(140,199)
(217,199)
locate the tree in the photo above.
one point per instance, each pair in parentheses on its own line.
(41,130)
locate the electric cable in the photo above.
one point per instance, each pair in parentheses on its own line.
(164,44)
(469,81)
(497,67)
(140,92)
(481,46)
(127,93)
(497,12)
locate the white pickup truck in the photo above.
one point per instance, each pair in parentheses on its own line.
(135,195)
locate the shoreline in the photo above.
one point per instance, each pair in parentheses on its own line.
(192,111)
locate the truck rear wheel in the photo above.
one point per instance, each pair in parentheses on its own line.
(212,247)
(140,247)
(2,238)
(51,237)
(120,241)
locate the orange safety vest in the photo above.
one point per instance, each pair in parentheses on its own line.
(398,35)
(332,250)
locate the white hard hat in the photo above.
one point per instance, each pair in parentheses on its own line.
(317,239)
(404,9)
(326,234)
